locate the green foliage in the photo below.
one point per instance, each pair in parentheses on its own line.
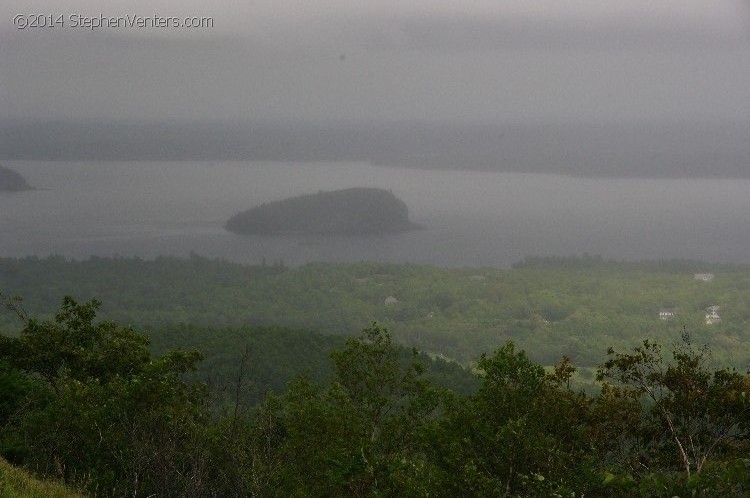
(371,374)
(107,414)
(547,310)
(75,348)
(525,433)
(87,401)
(718,479)
(271,357)
(360,435)
(700,409)
(16,394)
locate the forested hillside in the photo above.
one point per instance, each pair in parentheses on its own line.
(265,359)
(86,402)
(200,377)
(549,307)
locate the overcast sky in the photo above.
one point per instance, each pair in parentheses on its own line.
(436,60)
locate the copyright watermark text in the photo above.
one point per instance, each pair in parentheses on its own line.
(101,21)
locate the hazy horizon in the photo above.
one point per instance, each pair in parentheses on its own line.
(488,89)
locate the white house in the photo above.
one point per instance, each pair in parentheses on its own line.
(390,301)
(705,277)
(712,315)
(667,313)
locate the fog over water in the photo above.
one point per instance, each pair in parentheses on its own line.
(540,89)
(470,218)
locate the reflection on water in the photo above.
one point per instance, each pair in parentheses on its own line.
(470,218)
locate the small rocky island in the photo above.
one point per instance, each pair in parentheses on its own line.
(12,181)
(353,211)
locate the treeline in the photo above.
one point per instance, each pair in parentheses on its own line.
(271,357)
(85,401)
(588,261)
(548,308)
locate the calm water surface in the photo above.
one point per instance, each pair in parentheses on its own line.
(470,218)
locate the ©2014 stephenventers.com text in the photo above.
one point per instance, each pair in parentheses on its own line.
(101,21)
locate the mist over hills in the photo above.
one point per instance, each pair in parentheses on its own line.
(650,149)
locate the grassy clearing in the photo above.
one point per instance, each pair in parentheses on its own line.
(17,483)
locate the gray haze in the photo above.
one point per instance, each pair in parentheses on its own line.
(335,90)
(428,61)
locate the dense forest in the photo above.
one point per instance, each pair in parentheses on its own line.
(197,377)
(87,402)
(548,307)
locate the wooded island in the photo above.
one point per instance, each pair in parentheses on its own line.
(352,211)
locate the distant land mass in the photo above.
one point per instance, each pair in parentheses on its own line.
(631,149)
(352,211)
(12,181)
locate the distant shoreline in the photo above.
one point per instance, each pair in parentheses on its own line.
(412,166)
(584,150)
